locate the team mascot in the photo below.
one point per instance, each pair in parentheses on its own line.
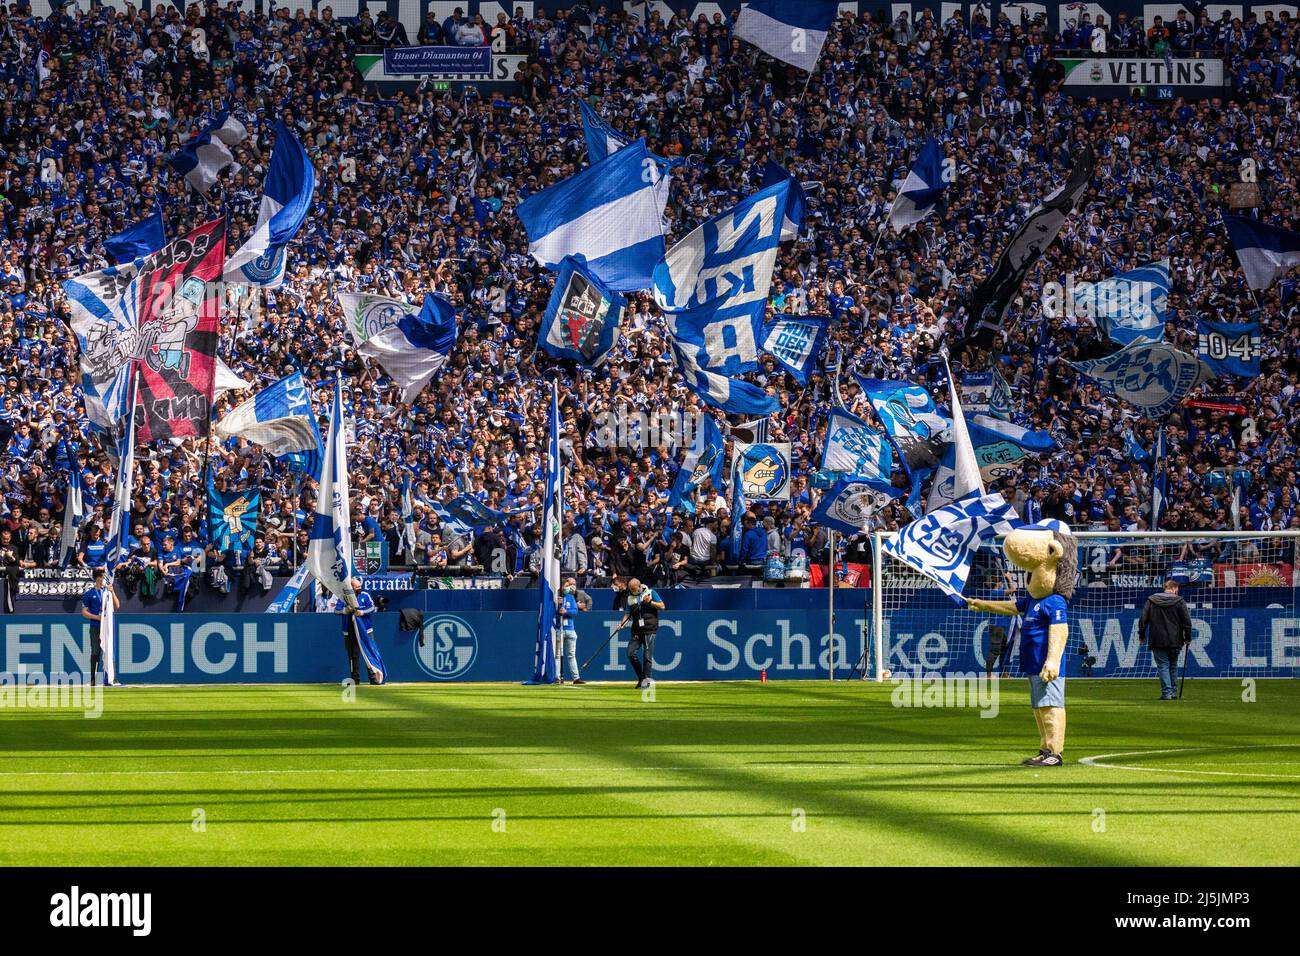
(1047,551)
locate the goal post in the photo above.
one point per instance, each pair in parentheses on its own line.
(1240,586)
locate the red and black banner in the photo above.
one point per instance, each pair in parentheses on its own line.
(179,319)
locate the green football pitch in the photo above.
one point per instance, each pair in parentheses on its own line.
(793,773)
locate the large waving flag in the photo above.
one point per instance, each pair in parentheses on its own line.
(465,513)
(279,418)
(608,212)
(544,670)
(179,316)
(137,240)
(603,139)
(1265,252)
(704,460)
(714,283)
(1153,377)
(920,192)
(848,505)
(999,447)
(1131,306)
(414,348)
(286,201)
(207,154)
(796,206)
(796,342)
(227,381)
(940,544)
(714,286)
(731,395)
(329,545)
(582,317)
(105,321)
(1230,348)
(791,32)
(365,315)
(992,297)
(855,448)
(912,421)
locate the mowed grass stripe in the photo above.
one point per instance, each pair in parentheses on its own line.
(781,773)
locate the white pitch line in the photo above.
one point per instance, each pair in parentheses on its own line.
(1095,761)
(398,770)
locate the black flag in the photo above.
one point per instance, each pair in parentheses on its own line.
(992,297)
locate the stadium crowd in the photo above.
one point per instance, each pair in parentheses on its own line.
(416,192)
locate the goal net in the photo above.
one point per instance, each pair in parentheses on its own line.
(1240,587)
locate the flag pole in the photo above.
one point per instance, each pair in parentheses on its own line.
(830,610)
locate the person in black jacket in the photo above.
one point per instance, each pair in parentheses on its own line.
(641,607)
(1165,627)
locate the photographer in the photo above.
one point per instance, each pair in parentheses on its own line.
(641,610)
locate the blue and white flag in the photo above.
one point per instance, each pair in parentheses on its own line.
(105,318)
(548,621)
(286,201)
(1159,480)
(763,470)
(365,315)
(1230,348)
(912,421)
(796,206)
(603,139)
(920,193)
(608,213)
(582,317)
(207,154)
(1135,452)
(940,544)
(414,348)
(74,510)
(704,461)
(998,448)
(848,505)
(791,32)
(137,240)
(731,395)
(280,418)
(288,596)
(1265,252)
(714,284)
(1002,403)
(1131,306)
(329,544)
(119,527)
(408,518)
(855,448)
(796,342)
(1153,377)
(465,514)
(976,389)
(738,507)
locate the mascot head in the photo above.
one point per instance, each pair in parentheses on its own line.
(1046,550)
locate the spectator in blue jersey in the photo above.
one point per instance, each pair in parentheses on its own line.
(176,566)
(94,553)
(92,609)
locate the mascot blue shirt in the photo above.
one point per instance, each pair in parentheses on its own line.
(1037,616)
